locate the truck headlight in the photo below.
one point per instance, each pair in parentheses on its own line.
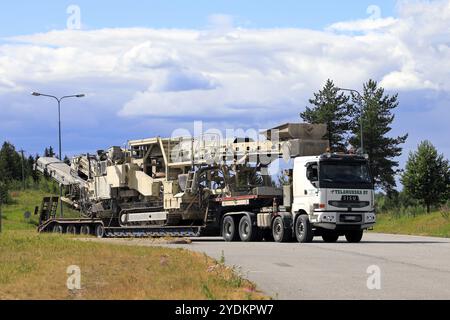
(370,217)
(328,218)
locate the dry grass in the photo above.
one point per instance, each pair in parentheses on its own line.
(34,266)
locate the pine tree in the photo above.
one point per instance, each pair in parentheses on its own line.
(34,173)
(332,108)
(10,163)
(29,164)
(377,118)
(427,176)
(51,153)
(4,195)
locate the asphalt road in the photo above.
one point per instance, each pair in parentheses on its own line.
(409,267)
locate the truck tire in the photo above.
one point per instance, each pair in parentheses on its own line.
(279,231)
(71,229)
(85,230)
(229,231)
(354,236)
(247,231)
(330,236)
(99,231)
(303,230)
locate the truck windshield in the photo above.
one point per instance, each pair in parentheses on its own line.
(345,174)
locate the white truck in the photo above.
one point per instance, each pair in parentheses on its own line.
(330,195)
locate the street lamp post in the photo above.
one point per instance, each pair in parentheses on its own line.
(37,94)
(361,114)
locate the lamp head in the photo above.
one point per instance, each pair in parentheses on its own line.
(36,94)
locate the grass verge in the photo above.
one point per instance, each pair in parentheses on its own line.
(34,266)
(435,224)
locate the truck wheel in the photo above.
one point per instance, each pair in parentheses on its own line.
(229,229)
(100,231)
(85,230)
(330,236)
(71,229)
(280,233)
(354,236)
(247,231)
(303,230)
(58,229)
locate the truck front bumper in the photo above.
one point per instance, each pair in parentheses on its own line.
(344,221)
(343,226)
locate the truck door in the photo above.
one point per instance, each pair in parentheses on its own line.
(306,186)
(312,185)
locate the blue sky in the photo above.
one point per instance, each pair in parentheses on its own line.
(151,67)
(25,17)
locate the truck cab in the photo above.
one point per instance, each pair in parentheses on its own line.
(332,196)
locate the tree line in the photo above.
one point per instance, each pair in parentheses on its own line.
(426,177)
(16,170)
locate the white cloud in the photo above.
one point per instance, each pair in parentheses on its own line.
(404,80)
(229,72)
(146,55)
(7,86)
(363,24)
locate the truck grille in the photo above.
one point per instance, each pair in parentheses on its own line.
(348,204)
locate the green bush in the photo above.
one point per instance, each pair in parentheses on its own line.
(398,204)
(4,194)
(47,185)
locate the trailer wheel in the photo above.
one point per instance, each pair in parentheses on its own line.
(330,236)
(303,230)
(58,229)
(85,230)
(71,229)
(247,231)
(229,229)
(354,236)
(100,231)
(280,233)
